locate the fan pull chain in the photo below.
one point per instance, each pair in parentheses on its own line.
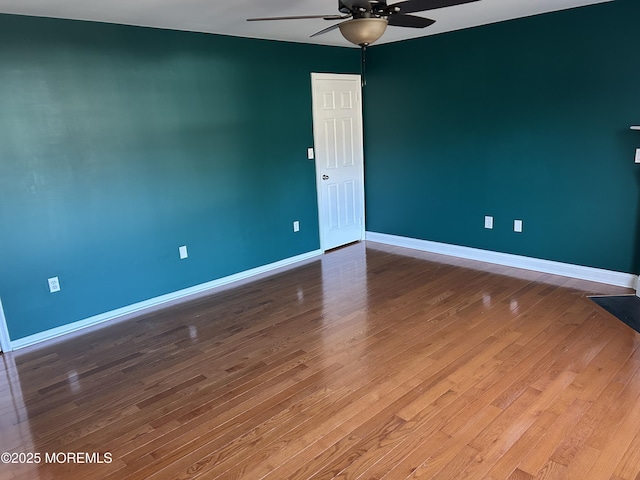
(363,67)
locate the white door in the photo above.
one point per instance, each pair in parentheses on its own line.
(337,131)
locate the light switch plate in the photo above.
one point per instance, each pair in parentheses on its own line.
(310,154)
(517,226)
(183,252)
(296,226)
(637,155)
(488,221)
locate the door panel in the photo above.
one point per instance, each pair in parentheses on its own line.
(339,158)
(348,152)
(331,145)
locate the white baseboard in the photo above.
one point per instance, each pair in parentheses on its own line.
(161,301)
(528,263)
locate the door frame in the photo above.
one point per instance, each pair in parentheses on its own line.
(336,76)
(5,340)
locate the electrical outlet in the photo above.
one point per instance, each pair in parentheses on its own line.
(183,252)
(517,226)
(488,222)
(296,226)
(54,284)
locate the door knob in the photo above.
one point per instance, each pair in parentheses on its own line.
(325,177)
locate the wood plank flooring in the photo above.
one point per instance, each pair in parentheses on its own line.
(372,362)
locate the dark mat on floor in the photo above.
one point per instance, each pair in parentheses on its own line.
(625,307)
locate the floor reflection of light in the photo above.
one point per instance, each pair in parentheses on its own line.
(193,332)
(74,381)
(345,305)
(486,300)
(300,294)
(513,306)
(14,428)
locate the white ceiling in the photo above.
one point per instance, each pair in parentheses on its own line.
(228,17)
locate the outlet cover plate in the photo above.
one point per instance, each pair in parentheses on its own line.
(54,284)
(488,222)
(517,226)
(183,252)
(296,226)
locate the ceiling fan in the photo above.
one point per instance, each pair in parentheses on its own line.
(365,21)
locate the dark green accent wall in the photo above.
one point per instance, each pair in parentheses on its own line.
(119,144)
(527,119)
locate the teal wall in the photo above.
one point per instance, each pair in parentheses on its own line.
(527,119)
(119,144)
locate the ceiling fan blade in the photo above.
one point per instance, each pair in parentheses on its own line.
(325,30)
(412,21)
(354,4)
(411,6)
(301,17)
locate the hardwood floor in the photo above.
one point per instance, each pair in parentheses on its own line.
(371,363)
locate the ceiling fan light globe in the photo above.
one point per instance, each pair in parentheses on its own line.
(363,31)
